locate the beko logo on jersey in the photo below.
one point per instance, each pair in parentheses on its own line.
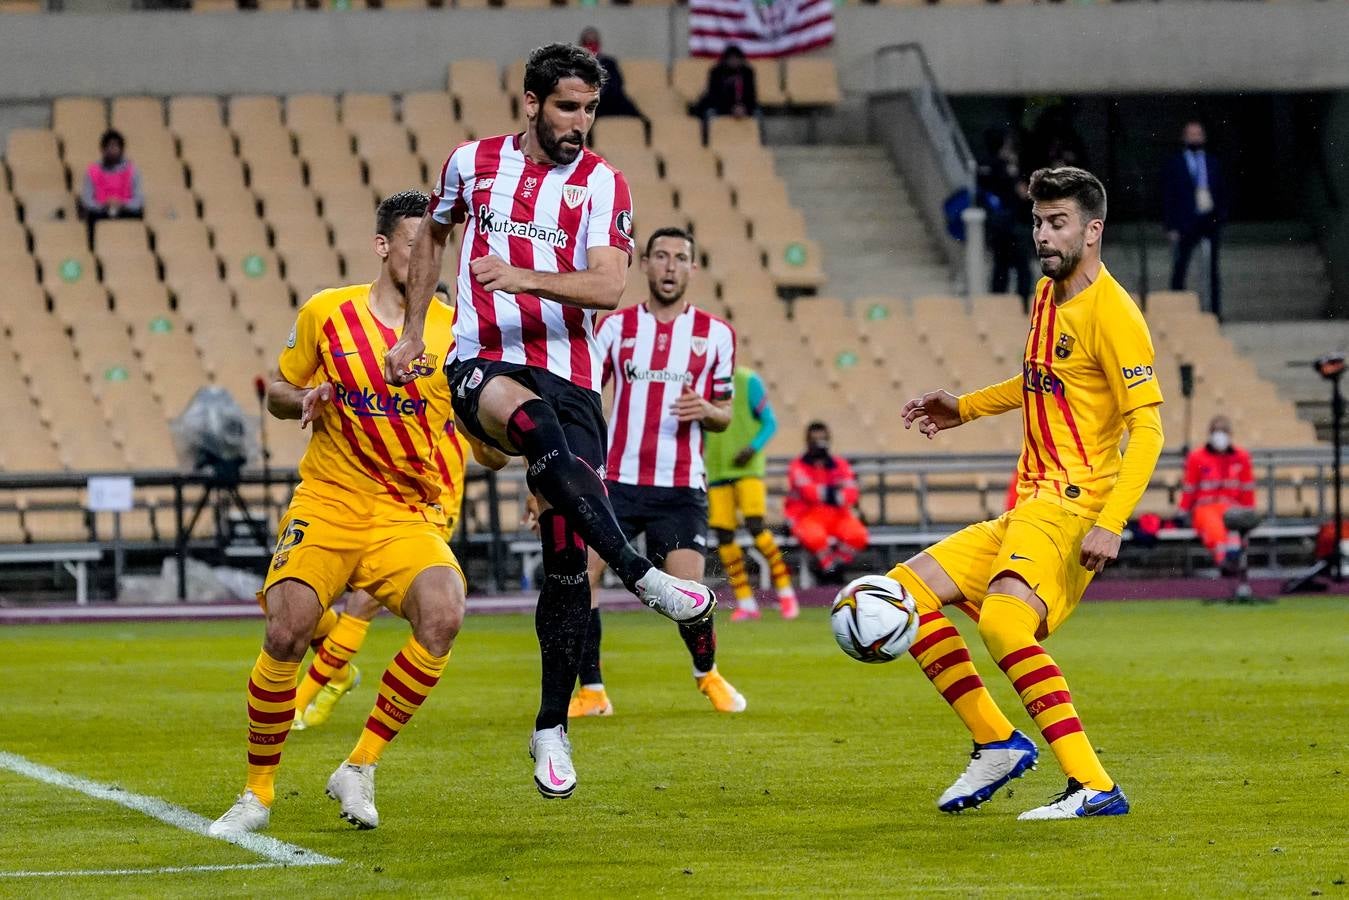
(1136,375)
(490,223)
(666,376)
(368,404)
(1041,381)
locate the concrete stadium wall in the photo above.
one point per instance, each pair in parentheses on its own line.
(1137,47)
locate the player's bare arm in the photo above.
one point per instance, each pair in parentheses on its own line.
(287,401)
(423,272)
(600,286)
(713,415)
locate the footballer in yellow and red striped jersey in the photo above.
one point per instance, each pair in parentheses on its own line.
(367,514)
(1086,379)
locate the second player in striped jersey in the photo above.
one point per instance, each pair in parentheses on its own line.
(547,242)
(672,366)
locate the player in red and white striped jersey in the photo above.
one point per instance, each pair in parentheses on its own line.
(548,239)
(672,366)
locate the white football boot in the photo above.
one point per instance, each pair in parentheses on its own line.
(244,817)
(354,787)
(686,602)
(991,766)
(1078,801)
(554,774)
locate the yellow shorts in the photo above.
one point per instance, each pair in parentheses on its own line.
(330,541)
(748,495)
(1039,542)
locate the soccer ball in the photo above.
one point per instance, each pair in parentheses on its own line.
(874,619)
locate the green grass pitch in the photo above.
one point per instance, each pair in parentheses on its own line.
(1226,726)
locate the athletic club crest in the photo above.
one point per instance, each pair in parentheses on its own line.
(573,194)
(1064,348)
(699,345)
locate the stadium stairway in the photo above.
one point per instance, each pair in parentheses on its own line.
(873,240)
(1281,352)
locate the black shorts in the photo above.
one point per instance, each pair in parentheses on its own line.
(578,410)
(671,518)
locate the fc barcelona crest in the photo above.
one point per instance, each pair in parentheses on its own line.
(573,194)
(1064,348)
(699,345)
(424,365)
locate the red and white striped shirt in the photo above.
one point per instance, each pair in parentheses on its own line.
(538,217)
(650,362)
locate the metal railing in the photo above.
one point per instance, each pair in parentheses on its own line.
(910,113)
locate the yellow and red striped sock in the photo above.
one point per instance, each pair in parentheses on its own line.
(1008,628)
(733,561)
(331,657)
(406,683)
(777,566)
(945,659)
(271,710)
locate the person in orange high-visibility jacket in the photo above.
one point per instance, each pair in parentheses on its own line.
(1218,477)
(821,502)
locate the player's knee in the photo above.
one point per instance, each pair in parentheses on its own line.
(286,640)
(923,595)
(435,608)
(754,525)
(1006,623)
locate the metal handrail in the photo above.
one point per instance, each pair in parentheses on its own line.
(936,113)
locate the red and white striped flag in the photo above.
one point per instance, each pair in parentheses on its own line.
(760,27)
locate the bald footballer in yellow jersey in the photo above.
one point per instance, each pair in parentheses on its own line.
(367,514)
(1086,379)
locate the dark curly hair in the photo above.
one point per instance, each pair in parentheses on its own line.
(400,206)
(551,63)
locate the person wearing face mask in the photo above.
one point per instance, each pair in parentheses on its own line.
(821,502)
(614,101)
(1218,477)
(1194,200)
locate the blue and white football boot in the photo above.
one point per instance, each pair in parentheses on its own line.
(991,766)
(1078,801)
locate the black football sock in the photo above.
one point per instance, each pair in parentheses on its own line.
(701,639)
(571,486)
(560,618)
(590,658)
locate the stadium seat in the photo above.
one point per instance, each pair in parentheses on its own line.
(137,118)
(120,238)
(253,112)
(34,159)
(79,122)
(103,343)
(167,205)
(768,82)
(468,77)
(392,173)
(309,112)
(73,300)
(169,359)
(811,81)
(486,115)
(726,131)
(362,109)
(188,114)
(794,265)
(688,79)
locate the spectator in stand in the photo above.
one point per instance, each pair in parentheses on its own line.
(112,184)
(731,89)
(1218,478)
(614,101)
(1001,179)
(1194,207)
(821,503)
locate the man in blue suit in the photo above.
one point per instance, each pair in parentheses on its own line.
(1194,198)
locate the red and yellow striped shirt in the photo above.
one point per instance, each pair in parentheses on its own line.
(1088,364)
(396,442)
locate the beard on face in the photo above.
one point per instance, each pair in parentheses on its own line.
(663,296)
(552,142)
(1058,265)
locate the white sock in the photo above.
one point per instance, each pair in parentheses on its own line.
(749,604)
(597,686)
(697,674)
(787,593)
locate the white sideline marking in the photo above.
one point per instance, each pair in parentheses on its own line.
(276,852)
(162,870)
